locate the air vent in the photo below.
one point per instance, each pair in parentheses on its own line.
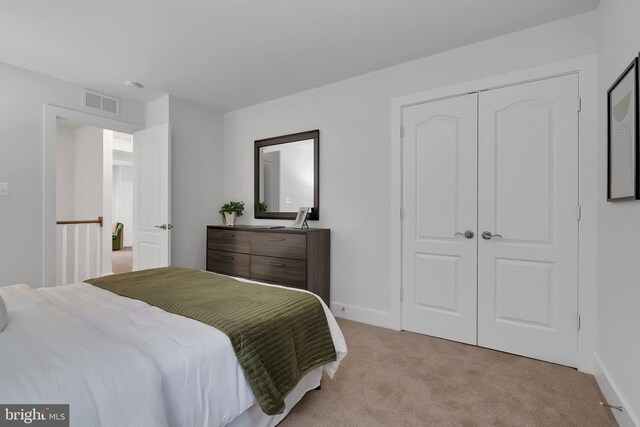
(97,101)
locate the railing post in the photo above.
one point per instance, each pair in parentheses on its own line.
(64,255)
(76,260)
(87,244)
(98,252)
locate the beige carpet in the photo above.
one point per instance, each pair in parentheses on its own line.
(122,260)
(394,378)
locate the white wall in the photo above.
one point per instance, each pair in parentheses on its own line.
(354,119)
(79,166)
(156,112)
(24,94)
(65,173)
(196,179)
(88,173)
(618,224)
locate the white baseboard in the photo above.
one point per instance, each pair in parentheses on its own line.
(612,393)
(363,315)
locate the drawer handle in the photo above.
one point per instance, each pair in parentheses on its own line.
(279,239)
(276,264)
(228,235)
(226,257)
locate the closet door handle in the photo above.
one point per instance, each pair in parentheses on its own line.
(486,235)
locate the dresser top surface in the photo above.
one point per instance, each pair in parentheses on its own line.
(264,229)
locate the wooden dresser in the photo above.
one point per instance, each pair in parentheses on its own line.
(285,256)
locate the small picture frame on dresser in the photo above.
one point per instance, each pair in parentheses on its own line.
(301,218)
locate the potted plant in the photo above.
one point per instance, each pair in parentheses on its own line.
(230,211)
(262,207)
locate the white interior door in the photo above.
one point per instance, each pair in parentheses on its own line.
(151,198)
(528,202)
(439,200)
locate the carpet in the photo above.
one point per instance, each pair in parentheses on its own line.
(122,260)
(392,378)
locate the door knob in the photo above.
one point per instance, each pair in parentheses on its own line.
(165,226)
(468,234)
(486,235)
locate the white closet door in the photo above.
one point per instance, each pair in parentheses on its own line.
(439,200)
(528,195)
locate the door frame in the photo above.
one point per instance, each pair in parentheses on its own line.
(586,69)
(51,114)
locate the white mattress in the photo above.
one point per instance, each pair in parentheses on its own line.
(121,362)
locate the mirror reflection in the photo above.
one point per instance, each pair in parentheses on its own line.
(286,176)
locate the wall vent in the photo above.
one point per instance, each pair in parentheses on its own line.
(96,101)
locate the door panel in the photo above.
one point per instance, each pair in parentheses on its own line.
(528,194)
(524,191)
(439,200)
(436,155)
(435,274)
(523,292)
(151,198)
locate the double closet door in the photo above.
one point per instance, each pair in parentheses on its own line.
(490,229)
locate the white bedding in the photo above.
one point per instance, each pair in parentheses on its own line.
(121,362)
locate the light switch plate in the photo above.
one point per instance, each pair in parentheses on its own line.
(4,189)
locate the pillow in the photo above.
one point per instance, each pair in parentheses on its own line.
(3,314)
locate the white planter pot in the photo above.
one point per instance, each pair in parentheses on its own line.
(230,219)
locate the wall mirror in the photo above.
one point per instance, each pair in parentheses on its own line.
(286,175)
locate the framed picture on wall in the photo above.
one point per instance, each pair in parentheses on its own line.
(622,139)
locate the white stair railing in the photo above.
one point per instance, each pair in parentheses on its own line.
(92,265)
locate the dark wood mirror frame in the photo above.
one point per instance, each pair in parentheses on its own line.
(301,136)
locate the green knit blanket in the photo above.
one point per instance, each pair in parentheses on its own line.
(278,335)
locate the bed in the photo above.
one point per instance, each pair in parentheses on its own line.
(122,362)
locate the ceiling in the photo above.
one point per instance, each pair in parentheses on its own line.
(229,54)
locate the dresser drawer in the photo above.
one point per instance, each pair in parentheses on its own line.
(281,245)
(229,240)
(231,263)
(286,271)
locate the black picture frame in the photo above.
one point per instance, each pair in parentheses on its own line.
(314,213)
(631,70)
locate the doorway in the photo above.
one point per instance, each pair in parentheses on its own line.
(122,201)
(490,234)
(151,198)
(80,163)
(90,161)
